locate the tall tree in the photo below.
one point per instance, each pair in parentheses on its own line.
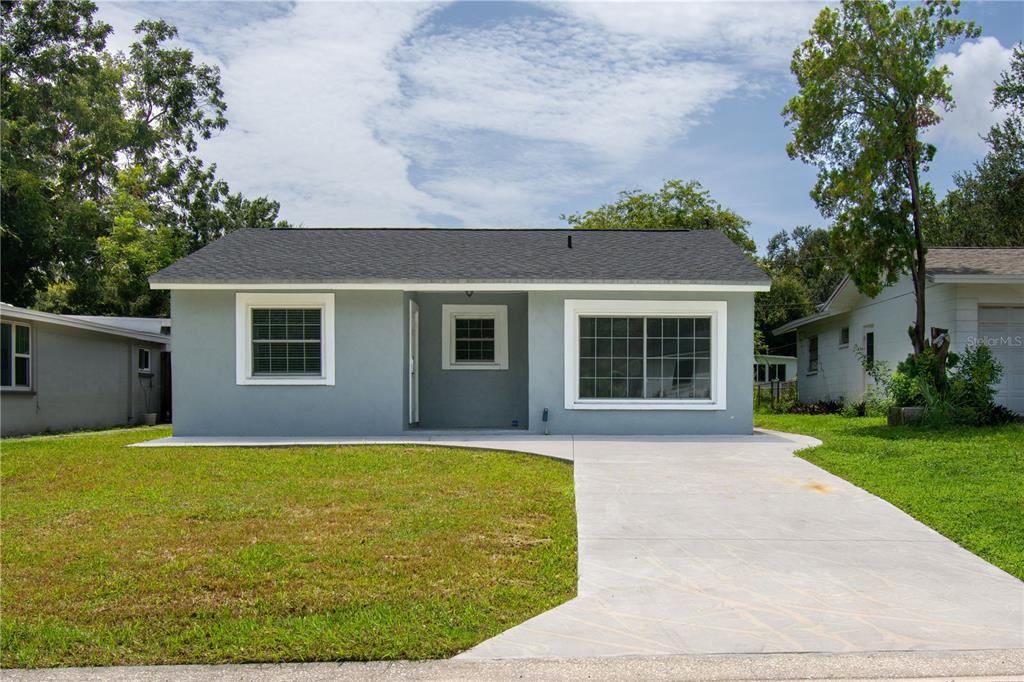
(803,273)
(678,205)
(59,135)
(986,207)
(805,255)
(868,88)
(84,129)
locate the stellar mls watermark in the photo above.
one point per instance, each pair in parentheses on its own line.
(993,341)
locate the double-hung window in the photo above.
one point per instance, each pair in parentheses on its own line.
(645,355)
(285,339)
(15,356)
(812,354)
(474,336)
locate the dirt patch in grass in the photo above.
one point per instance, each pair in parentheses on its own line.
(114,555)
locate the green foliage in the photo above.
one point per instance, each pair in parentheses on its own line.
(904,390)
(803,276)
(75,118)
(868,88)
(925,369)
(677,205)
(875,402)
(805,254)
(962,394)
(986,208)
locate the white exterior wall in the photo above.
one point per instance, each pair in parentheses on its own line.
(949,306)
(840,374)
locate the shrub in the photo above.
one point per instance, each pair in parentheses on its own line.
(819,407)
(904,390)
(967,394)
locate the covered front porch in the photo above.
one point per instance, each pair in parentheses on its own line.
(467,361)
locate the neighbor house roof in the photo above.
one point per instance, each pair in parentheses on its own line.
(955,262)
(943,264)
(429,255)
(120,326)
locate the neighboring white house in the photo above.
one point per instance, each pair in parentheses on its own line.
(975,293)
(769,368)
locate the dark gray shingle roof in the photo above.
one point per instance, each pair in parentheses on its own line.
(454,255)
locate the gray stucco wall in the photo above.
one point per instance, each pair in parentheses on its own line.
(367,398)
(80,380)
(547,387)
(451,399)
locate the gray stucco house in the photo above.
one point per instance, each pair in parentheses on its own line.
(67,372)
(977,294)
(320,332)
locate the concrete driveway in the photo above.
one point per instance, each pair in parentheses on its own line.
(733,545)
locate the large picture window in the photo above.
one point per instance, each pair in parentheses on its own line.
(15,356)
(653,358)
(285,338)
(645,355)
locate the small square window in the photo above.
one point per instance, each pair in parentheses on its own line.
(144,360)
(476,337)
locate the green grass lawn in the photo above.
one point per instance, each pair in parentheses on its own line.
(114,555)
(966,483)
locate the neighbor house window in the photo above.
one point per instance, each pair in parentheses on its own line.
(143,360)
(645,354)
(15,355)
(474,337)
(285,339)
(844,336)
(869,348)
(812,354)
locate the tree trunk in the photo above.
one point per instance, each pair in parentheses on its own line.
(917,264)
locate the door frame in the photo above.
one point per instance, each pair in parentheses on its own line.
(866,329)
(414,362)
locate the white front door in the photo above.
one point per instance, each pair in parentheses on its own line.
(414,362)
(1002,329)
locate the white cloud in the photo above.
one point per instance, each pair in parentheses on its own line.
(302,88)
(975,68)
(388,114)
(759,33)
(509,111)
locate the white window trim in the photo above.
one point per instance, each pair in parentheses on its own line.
(841,344)
(812,372)
(15,355)
(716,310)
(449,313)
(244,303)
(148,369)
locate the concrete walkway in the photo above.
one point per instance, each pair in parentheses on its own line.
(731,545)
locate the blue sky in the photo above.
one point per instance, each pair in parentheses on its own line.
(510,114)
